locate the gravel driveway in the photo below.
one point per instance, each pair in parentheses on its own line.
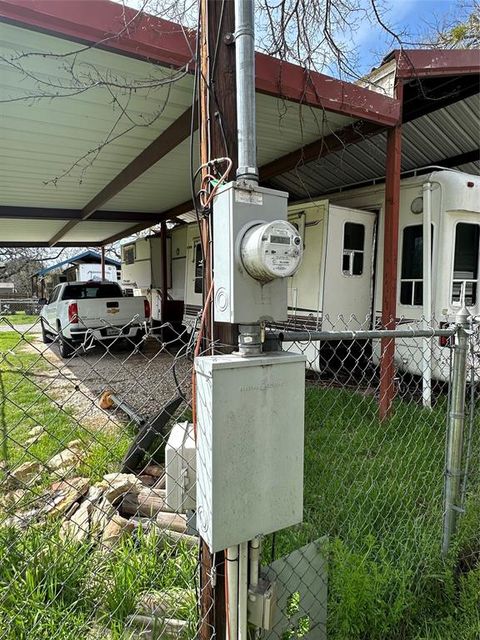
(144,379)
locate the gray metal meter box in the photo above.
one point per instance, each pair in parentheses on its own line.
(250,432)
(238,297)
(180,475)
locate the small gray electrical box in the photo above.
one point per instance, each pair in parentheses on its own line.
(180,471)
(238,297)
(250,432)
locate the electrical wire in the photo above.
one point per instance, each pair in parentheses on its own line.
(195,354)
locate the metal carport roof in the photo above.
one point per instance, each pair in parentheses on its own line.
(84,257)
(53,194)
(315,133)
(441,127)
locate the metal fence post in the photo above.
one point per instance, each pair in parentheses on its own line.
(456,422)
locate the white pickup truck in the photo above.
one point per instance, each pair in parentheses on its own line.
(77,312)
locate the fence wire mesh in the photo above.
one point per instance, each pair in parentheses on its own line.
(92,545)
(375,488)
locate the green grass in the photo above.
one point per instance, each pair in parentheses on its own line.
(20,317)
(58,589)
(30,400)
(376,491)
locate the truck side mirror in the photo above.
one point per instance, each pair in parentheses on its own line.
(42,301)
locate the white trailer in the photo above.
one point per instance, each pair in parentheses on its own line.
(86,271)
(142,270)
(339,284)
(442,207)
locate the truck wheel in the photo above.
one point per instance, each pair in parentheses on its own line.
(65,348)
(138,341)
(46,336)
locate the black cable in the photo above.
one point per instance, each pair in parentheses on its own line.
(192,129)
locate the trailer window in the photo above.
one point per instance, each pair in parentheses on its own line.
(465,264)
(411,282)
(353,249)
(198,284)
(129,254)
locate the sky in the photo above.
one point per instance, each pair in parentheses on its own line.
(415,16)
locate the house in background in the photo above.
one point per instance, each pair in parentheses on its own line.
(7,289)
(84,266)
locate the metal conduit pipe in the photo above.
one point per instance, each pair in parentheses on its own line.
(254,561)
(249,339)
(231,569)
(243,591)
(307,336)
(245,75)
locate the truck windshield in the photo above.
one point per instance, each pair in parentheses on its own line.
(91,290)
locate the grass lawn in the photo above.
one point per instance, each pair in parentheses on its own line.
(31,401)
(20,317)
(376,490)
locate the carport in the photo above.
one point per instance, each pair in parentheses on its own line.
(50,124)
(97,125)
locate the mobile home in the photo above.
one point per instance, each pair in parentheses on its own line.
(339,284)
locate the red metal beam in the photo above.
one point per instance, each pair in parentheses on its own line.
(111,26)
(421,63)
(390,262)
(106,25)
(291,82)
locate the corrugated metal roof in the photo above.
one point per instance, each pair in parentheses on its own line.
(81,257)
(49,155)
(447,132)
(42,139)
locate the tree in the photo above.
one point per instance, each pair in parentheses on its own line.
(460,29)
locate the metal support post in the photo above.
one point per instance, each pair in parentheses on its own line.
(102,262)
(456,423)
(427,295)
(163,240)
(390,258)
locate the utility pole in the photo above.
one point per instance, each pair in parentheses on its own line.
(218,138)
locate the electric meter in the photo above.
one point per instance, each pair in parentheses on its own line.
(271,250)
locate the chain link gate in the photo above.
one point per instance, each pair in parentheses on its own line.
(385,498)
(91,549)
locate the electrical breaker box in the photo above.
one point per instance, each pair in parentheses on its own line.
(250,433)
(238,297)
(180,472)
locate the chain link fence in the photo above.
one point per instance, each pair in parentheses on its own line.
(97,541)
(393,501)
(19,308)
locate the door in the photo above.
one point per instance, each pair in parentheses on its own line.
(51,309)
(305,286)
(348,281)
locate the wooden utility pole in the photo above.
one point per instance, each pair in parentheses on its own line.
(218,138)
(223,112)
